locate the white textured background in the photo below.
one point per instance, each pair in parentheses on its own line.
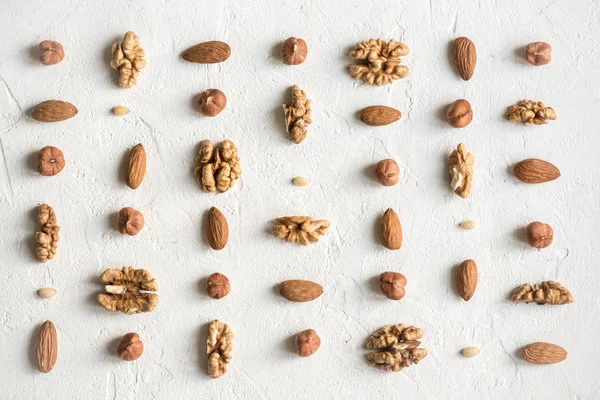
(337,157)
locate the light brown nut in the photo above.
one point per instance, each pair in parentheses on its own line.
(379,115)
(470,351)
(387,172)
(459,114)
(46,349)
(136,166)
(120,110)
(539,235)
(218,229)
(393,285)
(208,52)
(51,52)
(300,181)
(212,102)
(466,280)
(538,53)
(130,221)
(300,291)
(130,347)
(217,286)
(390,230)
(465,57)
(307,343)
(53,111)
(544,353)
(533,170)
(468,224)
(293,51)
(47,293)
(50,161)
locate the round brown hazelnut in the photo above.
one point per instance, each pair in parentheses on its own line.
(212,102)
(307,343)
(130,347)
(538,53)
(392,284)
(130,221)
(293,51)
(539,235)
(217,286)
(50,161)
(387,172)
(459,114)
(51,52)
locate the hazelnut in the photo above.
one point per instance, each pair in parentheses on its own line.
(50,161)
(307,343)
(217,286)
(293,51)
(392,284)
(387,171)
(539,235)
(459,114)
(538,53)
(51,52)
(130,221)
(212,102)
(130,347)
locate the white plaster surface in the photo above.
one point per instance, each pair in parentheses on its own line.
(337,156)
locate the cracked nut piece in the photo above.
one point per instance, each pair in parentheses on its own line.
(530,112)
(130,221)
(459,114)
(307,343)
(128,59)
(461,171)
(130,347)
(299,229)
(293,51)
(548,292)
(51,52)
(381,61)
(397,347)
(387,172)
(128,290)
(538,53)
(217,286)
(393,285)
(47,238)
(539,235)
(218,348)
(217,167)
(50,161)
(297,115)
(212,102)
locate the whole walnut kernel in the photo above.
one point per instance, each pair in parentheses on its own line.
(217,286)
(539,235)
(538,53)
(130,221)
(51,52)
(392,284)
(130,347)
(307,343)
(212,102)
(459,114)
(387,172)
(50,161)
(293,51)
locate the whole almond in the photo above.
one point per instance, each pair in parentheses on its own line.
(299,290)
(136,166)
(208,53)
(379,115)
(218,229)
(466,280)
(465,57)
(46,348)
(54,111)
(533,170)
(543,353)
(391,230)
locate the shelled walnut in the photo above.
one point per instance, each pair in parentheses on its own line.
(382,61)
(128,59)
(47,238)
(128,290)
(300,229)
(398,347)
(218,167)
(297,115)
(461,171)
(548,292)
(218,348)
(530,112)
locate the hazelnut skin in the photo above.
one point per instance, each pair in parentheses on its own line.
(538,53)
(293,51)
(217,286)
(130,221)
(51,52)
(50,161)
(392,284)
(212,102)
(539,235)
(459,114)
(387,172)
(307,343)
(130,347)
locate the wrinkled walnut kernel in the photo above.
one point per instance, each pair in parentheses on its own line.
(218,348)
(47,239)
(530,112)
(398,346)
(128,59)
(548,292)
(218,167)
(297,115)
(300,229)
(382,61)
(128,291)
(461,171)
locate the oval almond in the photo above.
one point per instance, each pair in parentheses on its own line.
(544,353)
(46,348)
(300,291)
(136,166)
(533,170)
(466,280)
(218,229)
(391,230)
(379,115)
(54,111)
(465,57)
(208,52)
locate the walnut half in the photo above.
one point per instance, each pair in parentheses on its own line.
(398,346)
(218,348)
(128,290)
(217,167)
(47,238)
(128,59)
(297,115)
(548,292)
(461,171)
(300,229)
(382,61)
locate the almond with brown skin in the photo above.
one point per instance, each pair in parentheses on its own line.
(300,291)
(54,111)
(390,230)
(466,280)
(136,166)
(208,53)
(218,229)
(46,348)
(465,57)
(379,115)
(533,170)
(544,353)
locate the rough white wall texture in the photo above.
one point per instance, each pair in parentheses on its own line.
(337,156)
